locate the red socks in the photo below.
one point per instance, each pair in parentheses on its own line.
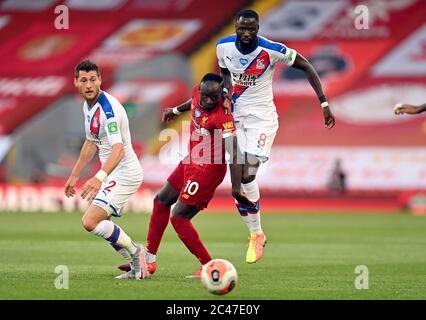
(182,226)
(157,225)
(190,238)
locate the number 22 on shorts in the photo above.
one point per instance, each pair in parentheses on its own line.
(111,184)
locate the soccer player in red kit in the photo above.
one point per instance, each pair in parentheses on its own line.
(193,183)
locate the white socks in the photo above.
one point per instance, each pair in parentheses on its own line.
(252,219)
(116,236)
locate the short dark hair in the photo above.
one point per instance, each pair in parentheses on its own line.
(248,13)
(212,77)
(86,65)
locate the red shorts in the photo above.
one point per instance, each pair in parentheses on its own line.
(197,184)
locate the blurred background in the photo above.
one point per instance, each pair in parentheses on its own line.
(151,53)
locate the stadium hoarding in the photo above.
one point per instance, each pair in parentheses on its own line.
(300,20)
(158,35)
(51,198)
(340,66)
(34,93)
(95,5)
(162,92)
(42,50)
(39,5)
(407,59)
(309,167)
(335,19)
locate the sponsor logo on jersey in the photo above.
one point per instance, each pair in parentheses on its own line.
(247,80)
(243,61)
(230,59)
(228,125)
(197,113)
(112,127)
(250,75)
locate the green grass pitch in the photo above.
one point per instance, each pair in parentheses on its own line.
(308,256)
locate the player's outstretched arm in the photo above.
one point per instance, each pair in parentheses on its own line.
(236,168)
(92,186)
(226,75)
(88,151)
(170,113)
(303,64)
(227,83)
(409,109)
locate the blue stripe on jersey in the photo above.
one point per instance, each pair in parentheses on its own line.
(272,45)
(235,96)
(106,106)
(231,38)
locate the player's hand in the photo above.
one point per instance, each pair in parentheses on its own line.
(329,120)
(241,198)
(90,189)
(69,188)
(168,115)
(405,108)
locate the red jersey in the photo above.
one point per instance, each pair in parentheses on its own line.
(208,128)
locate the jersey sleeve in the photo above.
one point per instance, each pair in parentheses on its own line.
(220,56)
(113,128)
(285,54)
(225,122)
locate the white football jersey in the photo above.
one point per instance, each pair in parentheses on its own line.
(106,124)
(252,74)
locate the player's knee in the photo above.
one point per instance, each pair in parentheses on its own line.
(181,210)
(165,199)
(161,198)
(89,224)
(177,214)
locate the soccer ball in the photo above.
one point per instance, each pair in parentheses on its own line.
(219,276)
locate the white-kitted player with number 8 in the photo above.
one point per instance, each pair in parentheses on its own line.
(107,131)
(247,63)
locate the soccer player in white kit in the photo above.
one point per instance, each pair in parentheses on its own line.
(247,63)
(107,131)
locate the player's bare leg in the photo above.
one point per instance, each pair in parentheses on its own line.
(96,221)
(181,221)
(165,198)
(251,215)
